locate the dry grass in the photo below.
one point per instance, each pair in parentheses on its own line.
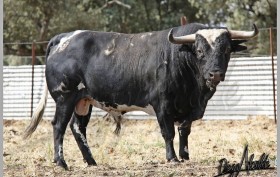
(139,150)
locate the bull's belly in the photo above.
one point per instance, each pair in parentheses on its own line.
(82,107)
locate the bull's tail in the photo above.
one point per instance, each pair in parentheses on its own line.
(118,120)
(118,128)
(38,114)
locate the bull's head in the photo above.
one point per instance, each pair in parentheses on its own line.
(212,48)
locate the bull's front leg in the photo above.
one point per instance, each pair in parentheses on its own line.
(184,133)
(168,132)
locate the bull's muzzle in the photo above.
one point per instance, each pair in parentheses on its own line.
(214,78)
(217,76)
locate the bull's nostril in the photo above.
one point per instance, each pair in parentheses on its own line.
(216,76)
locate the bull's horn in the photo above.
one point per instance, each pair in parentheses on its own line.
(182,39)
(244,34)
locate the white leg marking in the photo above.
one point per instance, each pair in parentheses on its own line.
(76,128)
(60,151)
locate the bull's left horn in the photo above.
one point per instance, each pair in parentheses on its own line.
(182,39)
(244,34)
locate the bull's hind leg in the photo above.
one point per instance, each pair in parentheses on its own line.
(78,126)
(64,110)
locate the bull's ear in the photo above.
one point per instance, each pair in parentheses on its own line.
(236,47)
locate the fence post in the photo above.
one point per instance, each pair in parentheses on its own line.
(273,77)
(184,20)
(32,77)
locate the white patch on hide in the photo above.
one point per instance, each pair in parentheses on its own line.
(148,109)
(61,88)
(211,34)
(122,108)
(81,86)
(107,52)
(143,36)
(64,42)
(131,44)
(186,149)
(110,48)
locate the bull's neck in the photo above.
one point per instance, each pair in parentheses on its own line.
(187,74)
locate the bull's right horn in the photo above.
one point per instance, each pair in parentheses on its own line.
(244,34)
(182,39)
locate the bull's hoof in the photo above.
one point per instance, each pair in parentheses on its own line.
(61,163)
(184,158)
(174,160)
(90,162)
(91,165)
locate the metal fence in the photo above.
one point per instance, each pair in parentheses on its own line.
(247,91)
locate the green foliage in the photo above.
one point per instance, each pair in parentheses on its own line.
(241,15)
(39,20)
(237,14)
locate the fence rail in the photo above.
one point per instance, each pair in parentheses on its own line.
(247,91)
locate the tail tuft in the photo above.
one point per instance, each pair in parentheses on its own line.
(118,128)
(37,115)
(118,120)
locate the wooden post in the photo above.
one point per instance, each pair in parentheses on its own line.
(184,20)
(273,77)
(32,79)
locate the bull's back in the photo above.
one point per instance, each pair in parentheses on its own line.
(112,66)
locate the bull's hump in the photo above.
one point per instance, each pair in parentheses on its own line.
(211,34)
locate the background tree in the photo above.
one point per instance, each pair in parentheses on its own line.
(39,20)
(241,14)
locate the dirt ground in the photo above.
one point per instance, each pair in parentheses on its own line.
(139,150)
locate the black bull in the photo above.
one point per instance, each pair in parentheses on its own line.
(169,77)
